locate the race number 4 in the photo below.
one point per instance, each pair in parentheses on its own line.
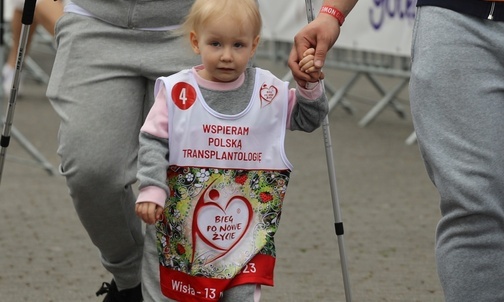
(183,95)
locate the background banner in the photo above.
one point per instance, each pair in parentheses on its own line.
(380,26)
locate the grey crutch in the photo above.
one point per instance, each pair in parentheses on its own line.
(338,224)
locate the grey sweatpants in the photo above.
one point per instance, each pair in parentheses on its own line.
(457,102)
(101,86)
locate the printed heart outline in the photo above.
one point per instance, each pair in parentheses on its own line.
(212,206)
(267,94)
(196,231)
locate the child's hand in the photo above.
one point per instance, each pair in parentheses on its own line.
(150,212)
(307,64)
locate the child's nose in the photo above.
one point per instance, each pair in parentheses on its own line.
(226,54)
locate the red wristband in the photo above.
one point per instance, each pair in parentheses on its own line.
(333,12)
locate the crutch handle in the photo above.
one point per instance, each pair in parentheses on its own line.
(309,10)
(28,12)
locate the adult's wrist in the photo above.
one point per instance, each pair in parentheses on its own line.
(344,6)
(334,12)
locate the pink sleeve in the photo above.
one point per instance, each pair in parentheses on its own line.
(152,194)
(312,91)
(292,102)
(156,122)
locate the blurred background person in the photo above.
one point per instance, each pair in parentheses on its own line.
(47,12)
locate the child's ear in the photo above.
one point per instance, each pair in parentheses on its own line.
(255,43)
(194,42)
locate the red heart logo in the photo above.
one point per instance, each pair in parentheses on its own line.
(267,94)
(221,224)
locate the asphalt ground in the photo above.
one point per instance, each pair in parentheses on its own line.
(388,206)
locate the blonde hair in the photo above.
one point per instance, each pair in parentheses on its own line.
(204,11)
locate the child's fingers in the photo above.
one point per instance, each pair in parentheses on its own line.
(307,65)
(307,60)
(159,211)
(139,209)
(309,51)
(313,69)
(151,213)
(304,66)
(147,211)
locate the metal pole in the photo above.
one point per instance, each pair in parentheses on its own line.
(27,20)
(338,224)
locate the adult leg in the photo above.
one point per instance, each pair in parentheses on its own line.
(100,99)
(47,14)
(9,67)
(457,102)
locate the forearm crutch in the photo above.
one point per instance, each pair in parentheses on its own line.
(27,20)
(338,224)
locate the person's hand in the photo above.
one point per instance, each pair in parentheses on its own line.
(320,34)
(149,212)
(307,65)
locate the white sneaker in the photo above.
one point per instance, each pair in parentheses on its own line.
(7,78)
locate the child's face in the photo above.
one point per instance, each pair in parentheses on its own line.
(225,48)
